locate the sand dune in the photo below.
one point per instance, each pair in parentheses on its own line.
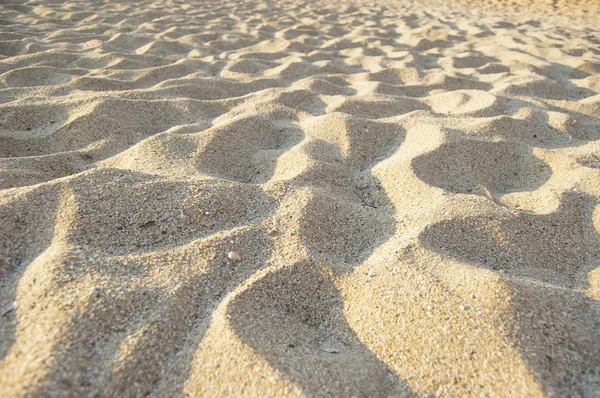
(413,190)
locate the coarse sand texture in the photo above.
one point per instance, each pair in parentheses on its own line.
(299,198)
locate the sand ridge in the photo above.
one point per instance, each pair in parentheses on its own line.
(412,189)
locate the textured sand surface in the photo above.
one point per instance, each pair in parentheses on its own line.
(412,189)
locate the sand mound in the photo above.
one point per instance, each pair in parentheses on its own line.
(299,198)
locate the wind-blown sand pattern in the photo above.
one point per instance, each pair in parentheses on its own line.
(413,191)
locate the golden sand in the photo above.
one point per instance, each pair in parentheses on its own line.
(299,198)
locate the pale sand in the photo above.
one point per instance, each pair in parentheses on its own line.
(412,189)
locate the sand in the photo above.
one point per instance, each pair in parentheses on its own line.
(299,198)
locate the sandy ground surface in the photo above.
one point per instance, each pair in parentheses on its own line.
(412,190)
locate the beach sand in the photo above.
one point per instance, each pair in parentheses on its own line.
(300,198)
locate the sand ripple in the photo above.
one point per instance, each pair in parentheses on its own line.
(413,191)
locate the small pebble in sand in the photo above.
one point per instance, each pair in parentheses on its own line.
(8,309)
(273,232)
(331,346)
(233,256)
